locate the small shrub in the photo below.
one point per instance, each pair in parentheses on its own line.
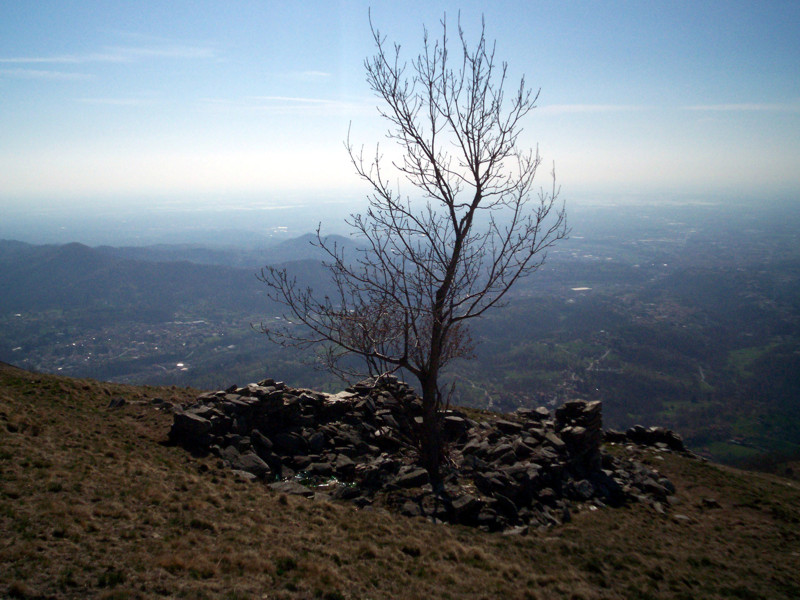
(593,565)
(284,564)
(202,525)
(66,579)
(110,578)
(20,590)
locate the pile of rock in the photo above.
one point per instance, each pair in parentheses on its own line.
(529,468)
(655,437)
(580,424)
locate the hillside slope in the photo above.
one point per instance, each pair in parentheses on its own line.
(94,503)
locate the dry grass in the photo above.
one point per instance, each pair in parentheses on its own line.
(93,504)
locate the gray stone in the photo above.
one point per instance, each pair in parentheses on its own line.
(454,425)
(244,444)
(521,449)
(534,435)
(555,441)
(414,477)
(488,519)
(116,403)
(316,443)
(386,439)
(292,488)
(466,508)
(387,419)
(507,458)
(547,496)
(504,505)
(245,475)
(474,445)
(518,530)
(229,454)
(260,442)
(508,427)
(542,413)
(499,450)
(220,424)
(290,443)
(234,405)
(300,462)
(187,425)
(681,519)
(344,466)
(411,509)
(655,489)
(347,492)
(320,469)
(583,489)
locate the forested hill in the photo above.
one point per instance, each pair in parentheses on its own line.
(75,276)
(158,281)
(691,324)
(304,247)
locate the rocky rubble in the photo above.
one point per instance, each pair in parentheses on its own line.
(656,437)
(530,468)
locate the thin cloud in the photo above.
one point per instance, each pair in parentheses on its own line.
(117,54)
(175,52)
(116,101)
(285,105)
(64,59)
(745,107)
(557,109)
(44,74)
(310,76)
(293,100)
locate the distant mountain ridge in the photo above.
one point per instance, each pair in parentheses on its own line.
(294,249)
(693,326)
(151,278)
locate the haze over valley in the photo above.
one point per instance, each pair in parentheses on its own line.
(685,315)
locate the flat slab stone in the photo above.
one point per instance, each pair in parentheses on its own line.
(291,487)
(413,478)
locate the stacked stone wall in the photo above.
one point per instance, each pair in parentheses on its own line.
(529,468)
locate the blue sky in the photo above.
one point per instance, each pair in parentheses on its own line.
(238,103)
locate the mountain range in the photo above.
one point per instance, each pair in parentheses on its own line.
(692,323)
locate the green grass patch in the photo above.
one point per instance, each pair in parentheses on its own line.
(728,452)
(741,360)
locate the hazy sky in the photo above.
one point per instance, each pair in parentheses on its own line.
(250,101)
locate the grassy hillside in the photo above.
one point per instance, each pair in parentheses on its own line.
(93,503)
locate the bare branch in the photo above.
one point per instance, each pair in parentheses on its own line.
(429,263)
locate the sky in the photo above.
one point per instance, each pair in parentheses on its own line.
(111,104)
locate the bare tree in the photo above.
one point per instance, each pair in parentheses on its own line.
(430,264)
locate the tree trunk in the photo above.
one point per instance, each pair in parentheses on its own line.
(431,442)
